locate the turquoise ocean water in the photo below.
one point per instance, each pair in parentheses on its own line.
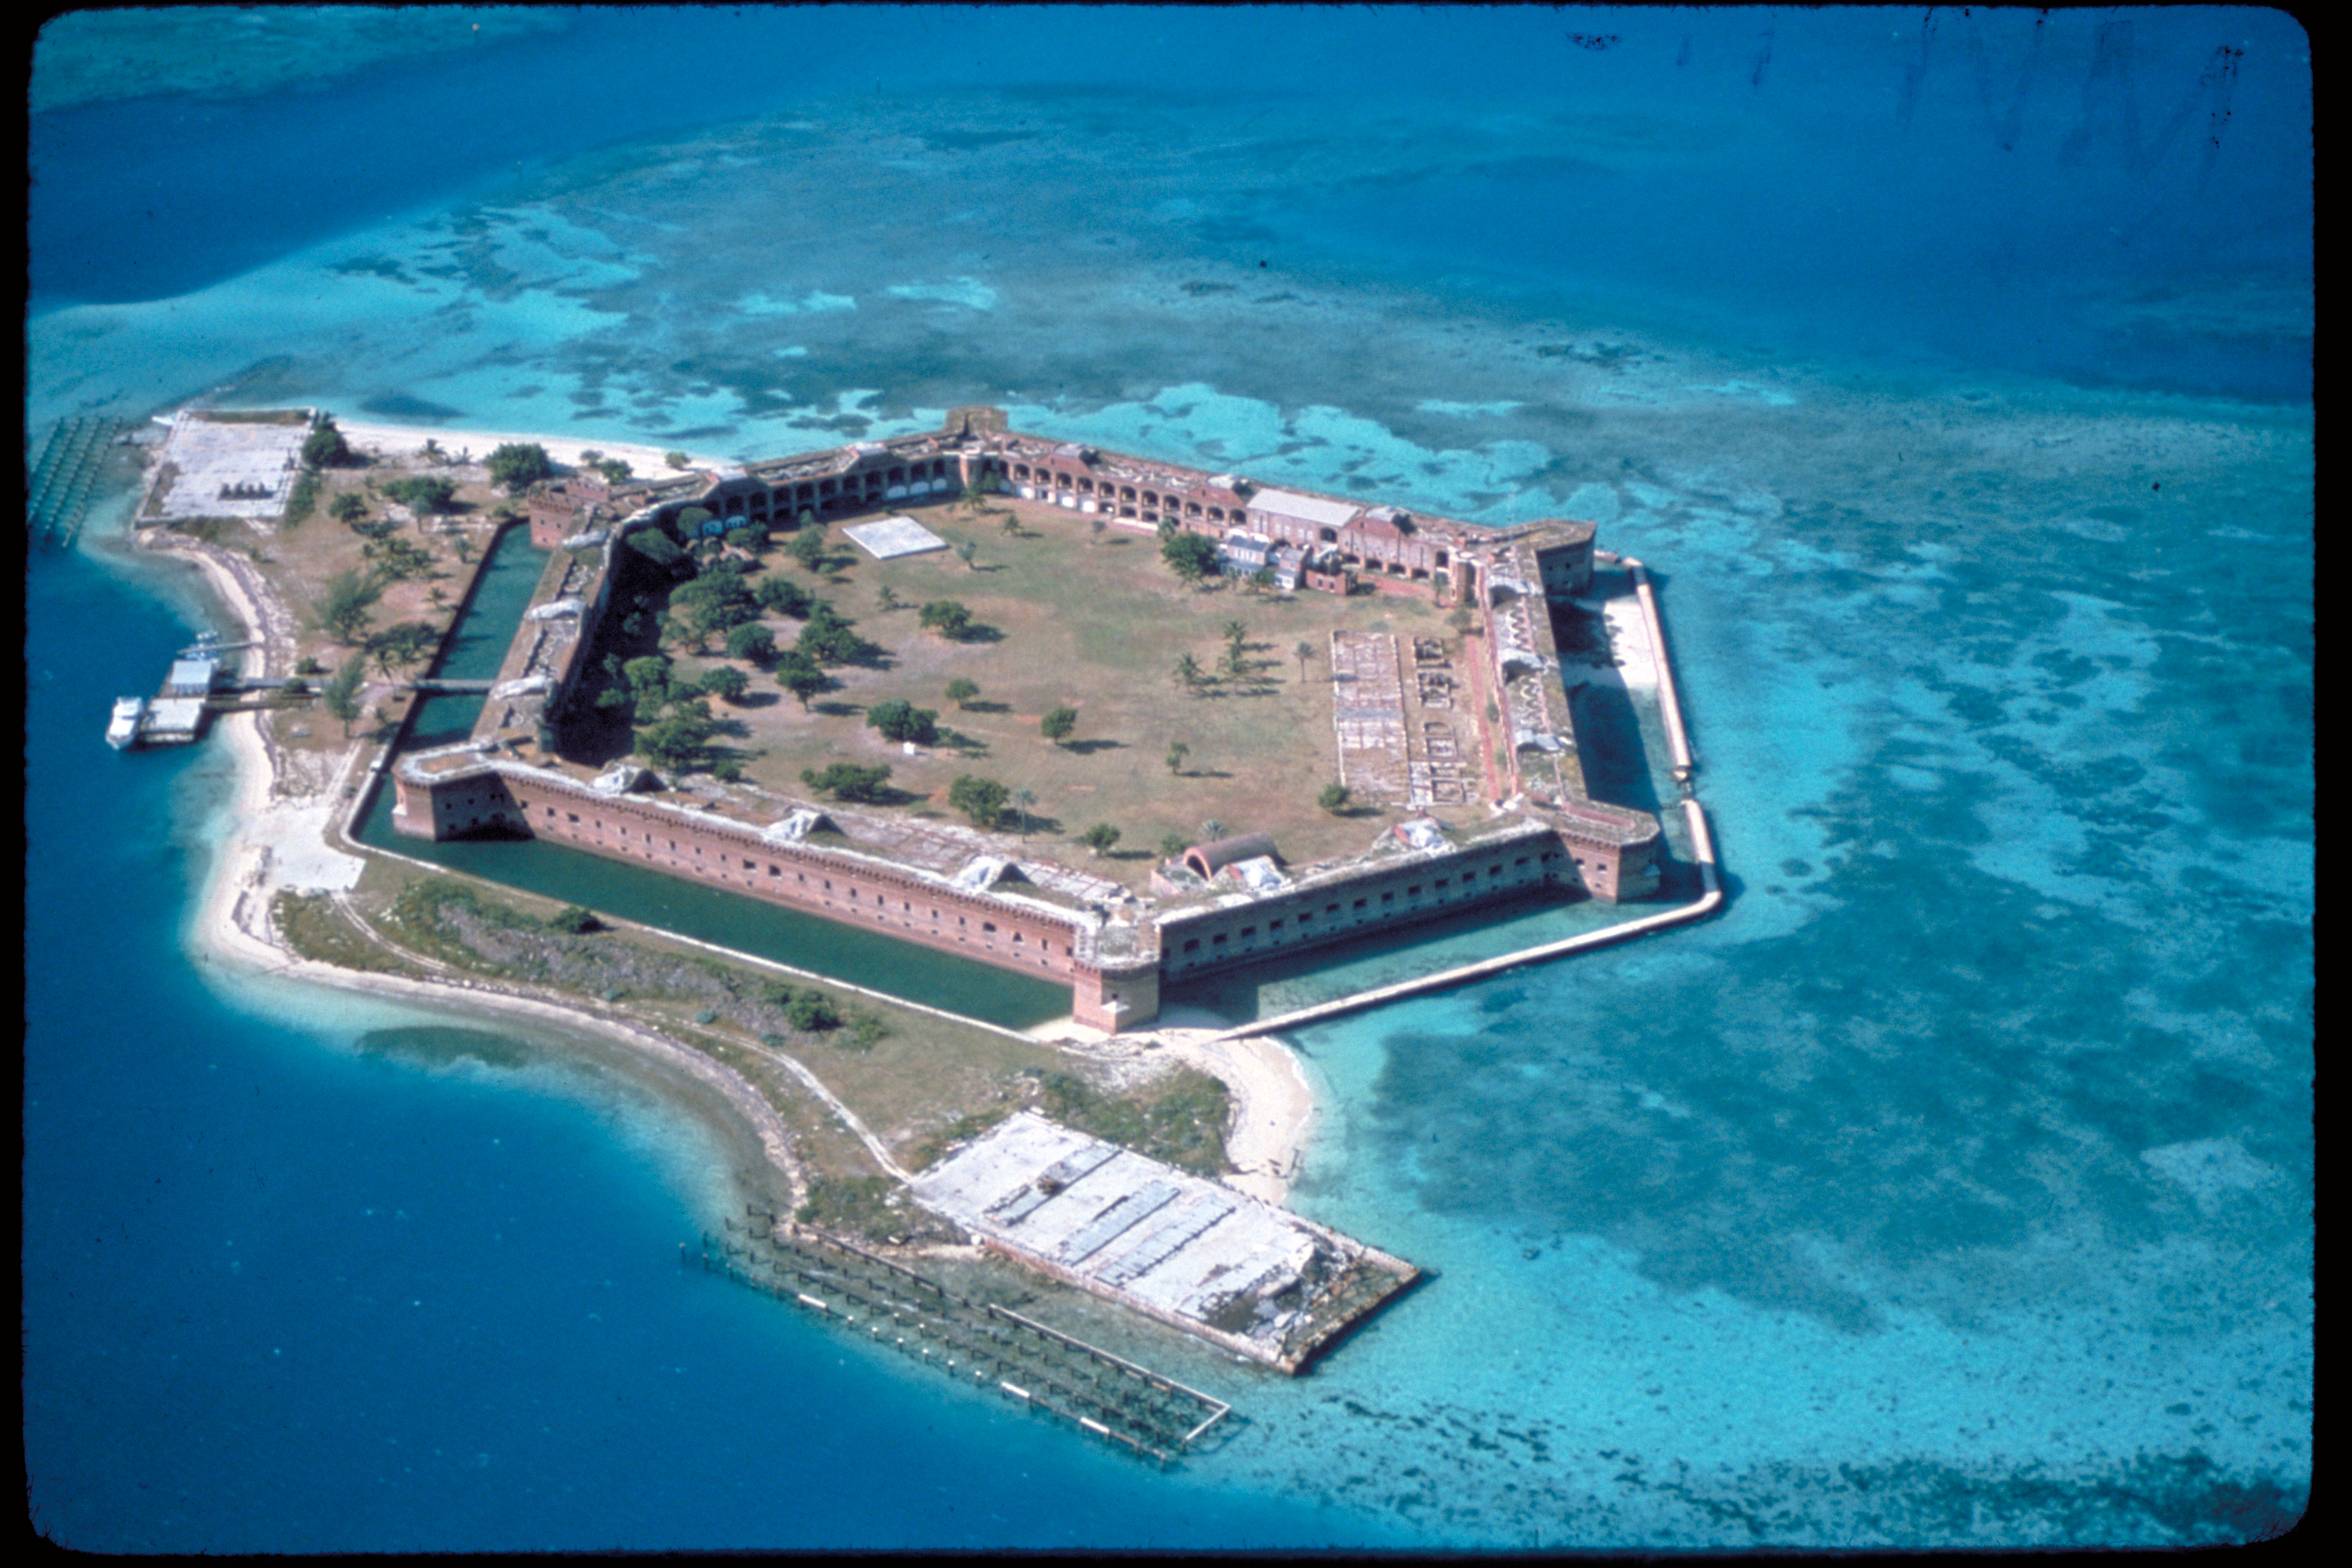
(1952,373)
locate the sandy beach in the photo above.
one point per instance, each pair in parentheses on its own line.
(282,837)
(1273,1103)
(407,440)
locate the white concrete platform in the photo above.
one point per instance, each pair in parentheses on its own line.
(893,537)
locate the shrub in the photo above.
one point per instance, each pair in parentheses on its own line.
(326,447)
(847,781)
(518,465)
(574,921)
(961,692)
(810,1011)
(1056,726)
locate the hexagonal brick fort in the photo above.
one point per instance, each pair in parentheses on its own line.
(1224,903)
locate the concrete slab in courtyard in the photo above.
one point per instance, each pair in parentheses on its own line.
(893,537)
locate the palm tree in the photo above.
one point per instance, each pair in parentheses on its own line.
(1023,799)
(1188,673)
(1304,651)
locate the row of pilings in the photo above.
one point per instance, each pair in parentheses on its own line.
(980,1343)
(59,489)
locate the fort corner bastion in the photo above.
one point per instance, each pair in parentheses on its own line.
(1487,812)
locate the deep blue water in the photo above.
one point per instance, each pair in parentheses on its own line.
(1953,372)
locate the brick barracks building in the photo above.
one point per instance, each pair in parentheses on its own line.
(1223,904)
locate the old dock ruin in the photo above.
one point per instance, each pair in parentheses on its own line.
(1239,1272)
(983,1343)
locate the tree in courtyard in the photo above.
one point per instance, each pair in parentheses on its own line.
(727,683)
(900,719)
(1172,844)
(658,548)
(1100,837)
(1334,799)
(847,781)
(1236,635)
(1305,651)
(1095,524)
(648,679)
(968,553)
(675,739)
(346,605)
(1234,662)
(518,465)
(614,471)
(1177,751)
(348,507)
(1191,556)
(1263,580)
(676,460)
(887,596)
(1023,799)
(1188,673)
(1057,723)
(827,638)
(802,676)
(341,695)
(783,596)
(982,800)
(947,617)
(752,643)
(808,548)
(961,690)
(712,604)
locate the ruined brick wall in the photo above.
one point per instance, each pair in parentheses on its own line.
(1422,886)
(853,892)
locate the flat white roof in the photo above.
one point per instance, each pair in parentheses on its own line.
(894,536)
(1311,509)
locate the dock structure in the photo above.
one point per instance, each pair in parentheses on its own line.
(983,1343)
(1239,1272)
(65,480)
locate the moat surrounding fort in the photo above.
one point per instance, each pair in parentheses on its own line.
(1953,1189)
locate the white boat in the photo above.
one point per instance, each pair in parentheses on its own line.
(125,729)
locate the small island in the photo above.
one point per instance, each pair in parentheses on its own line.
(1082,716)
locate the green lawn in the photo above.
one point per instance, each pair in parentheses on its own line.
(1098,623)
